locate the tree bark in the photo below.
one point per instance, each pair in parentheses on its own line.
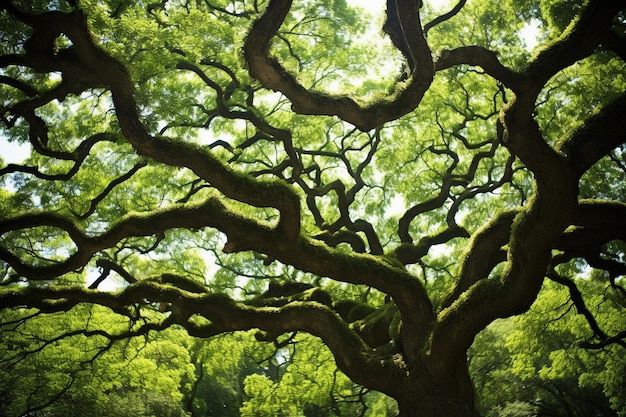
(449,397)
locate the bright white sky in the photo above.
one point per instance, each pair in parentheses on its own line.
(12,152)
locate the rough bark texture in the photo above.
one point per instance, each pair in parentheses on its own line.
(425,369)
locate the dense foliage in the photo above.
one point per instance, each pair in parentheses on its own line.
(253,208)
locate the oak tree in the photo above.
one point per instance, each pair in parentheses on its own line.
(282,167)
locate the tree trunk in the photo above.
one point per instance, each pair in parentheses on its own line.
(436,407)
(449,396)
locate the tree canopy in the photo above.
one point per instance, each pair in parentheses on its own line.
(258,181)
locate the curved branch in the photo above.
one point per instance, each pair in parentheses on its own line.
(484,58)
(78,156)
(446,16)
(619,339)
(449,181)
(353,356)
(90,62)
(483,253)
(273,76)
(601,133)
(20,85)
(342,236)
(409,253)
(243,234)
(96,200)
(528,259)
(578,301)
(578,41)
(197,215)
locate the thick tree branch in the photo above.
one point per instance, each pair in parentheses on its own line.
(615,43)
(88,61)
(484,251)
(532,235)
(273,76)
(197,215)
(578,41)
(312,256)
(551,209)
(599,134)
(243,234)
(597,222)
(527,264)
(484,58)
(354,357)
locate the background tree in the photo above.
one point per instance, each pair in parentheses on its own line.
(534,362)
(392,216)
(51,368)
